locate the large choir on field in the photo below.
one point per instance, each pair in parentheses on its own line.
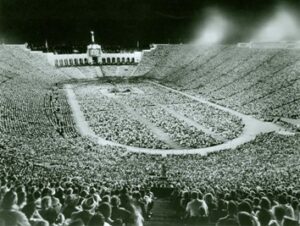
(134,117)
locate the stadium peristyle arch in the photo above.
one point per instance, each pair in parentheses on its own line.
(94,56)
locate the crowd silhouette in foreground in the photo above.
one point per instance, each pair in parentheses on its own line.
(70,202)
(239,207)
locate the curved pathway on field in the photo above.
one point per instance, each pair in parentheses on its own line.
(295,122)
(252,128)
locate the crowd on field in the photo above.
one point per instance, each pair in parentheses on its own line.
(134,118)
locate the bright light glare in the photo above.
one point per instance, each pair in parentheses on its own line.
(214,31)
(283,26)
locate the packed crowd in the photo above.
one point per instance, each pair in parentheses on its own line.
(220,122)
(117,117)
(51,177)
(262,82)
(267,167)
(186,135)
(241,206)
(111,122)
(69,202)
(58,113)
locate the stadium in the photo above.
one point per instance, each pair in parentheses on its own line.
(201,133)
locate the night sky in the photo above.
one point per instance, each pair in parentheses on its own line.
(122,22)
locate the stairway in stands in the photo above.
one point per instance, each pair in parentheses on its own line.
(163,214)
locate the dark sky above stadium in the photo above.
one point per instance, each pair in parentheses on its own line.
(124,22)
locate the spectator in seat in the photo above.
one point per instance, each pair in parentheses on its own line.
(117,211)
(22,196)
(9,213)
(88,205)
(136,218)
(139,203)
(70,206)
(37,197)
(106,198)
(264,215)
(30,207)
(295,205)
(282,200)
(231,218)
(183,202)
(193,208)
(105,210)
(279,213)
(270,196)
(149,199)
(212,207)
(256,206)
(47,212)
(245,206)
(246,219)
(31,211)
(97,220)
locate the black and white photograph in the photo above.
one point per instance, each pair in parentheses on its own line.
(149,112)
